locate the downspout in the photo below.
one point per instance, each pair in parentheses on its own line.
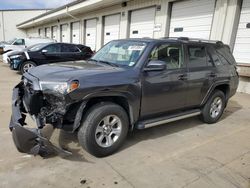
(67,12)
(3,26)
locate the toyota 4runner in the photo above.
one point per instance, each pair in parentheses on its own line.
(128,84)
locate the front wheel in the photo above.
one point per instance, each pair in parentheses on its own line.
(104,129)
(214,107)
(26,66)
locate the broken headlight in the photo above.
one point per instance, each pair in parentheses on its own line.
(60,87)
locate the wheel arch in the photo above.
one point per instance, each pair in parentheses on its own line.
(120,100)
(222,86)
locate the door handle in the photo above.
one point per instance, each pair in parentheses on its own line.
(212,75)
(182,77)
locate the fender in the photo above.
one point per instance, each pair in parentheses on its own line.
(211,89)
(133,103)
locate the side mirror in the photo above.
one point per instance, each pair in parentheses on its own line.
(44,51)
(155,65)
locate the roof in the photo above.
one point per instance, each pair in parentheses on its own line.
(68,10)
(27,9)
(53,10)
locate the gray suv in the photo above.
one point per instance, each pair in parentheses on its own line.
(128,84)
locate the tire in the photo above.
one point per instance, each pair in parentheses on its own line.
(94,129)
(26,66)
(214,107)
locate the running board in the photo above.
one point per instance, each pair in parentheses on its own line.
(167,119)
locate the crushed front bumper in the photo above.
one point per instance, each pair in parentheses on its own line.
(29,140)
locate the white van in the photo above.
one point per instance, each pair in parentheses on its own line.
(21,43)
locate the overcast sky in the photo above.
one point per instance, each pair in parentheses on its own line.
(23,4)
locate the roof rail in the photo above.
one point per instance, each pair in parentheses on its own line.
(195,40)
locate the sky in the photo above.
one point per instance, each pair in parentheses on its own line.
(30,4)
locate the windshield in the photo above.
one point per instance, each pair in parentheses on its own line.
(124,53)
(37,47)
(10,41)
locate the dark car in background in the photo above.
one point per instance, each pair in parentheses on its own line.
(40,54)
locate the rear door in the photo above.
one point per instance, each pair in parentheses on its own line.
(70,52)
(165,91)
(201,73)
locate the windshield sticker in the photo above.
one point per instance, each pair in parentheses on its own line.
(136,48)
(131,64)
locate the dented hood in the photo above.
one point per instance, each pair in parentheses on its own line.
(71,70)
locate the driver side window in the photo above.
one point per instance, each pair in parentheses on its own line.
(172,55)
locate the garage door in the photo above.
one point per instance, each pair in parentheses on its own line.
(75,33)
(111,27)
(41,32)
(47,32)
(142,23)
(64,33)
(192,18)
(242,43)
(55,33)
(90,34)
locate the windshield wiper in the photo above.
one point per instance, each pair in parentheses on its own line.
(105,62)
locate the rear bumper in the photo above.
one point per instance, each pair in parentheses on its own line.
(29,140)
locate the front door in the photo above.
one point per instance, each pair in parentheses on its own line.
(166,90)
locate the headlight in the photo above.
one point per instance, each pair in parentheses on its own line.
(61,87)
(15,56)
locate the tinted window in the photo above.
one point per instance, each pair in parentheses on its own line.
(69,48)
(171,54)
(225,55)
(54,48)
(197,56)
(212,53)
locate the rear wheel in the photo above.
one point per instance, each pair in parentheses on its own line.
(214,107)
(104,129)
(26,66)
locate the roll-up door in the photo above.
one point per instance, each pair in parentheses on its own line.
(242,43)
(142,23)
(75,32)
(47,32)
(111,27)
(90,34)
(55,33)
(192,18)
(64,33)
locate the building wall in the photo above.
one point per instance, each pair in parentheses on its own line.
(10,18)
(224,24)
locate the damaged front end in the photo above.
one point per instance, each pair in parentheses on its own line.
(47,107)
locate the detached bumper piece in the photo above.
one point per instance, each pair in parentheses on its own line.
(29,140)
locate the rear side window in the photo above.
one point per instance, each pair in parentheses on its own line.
(197,56)
(69,48)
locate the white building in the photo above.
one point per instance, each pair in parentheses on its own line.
(95,22)
(10,18)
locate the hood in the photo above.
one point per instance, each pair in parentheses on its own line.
(19,52)
(66,71)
